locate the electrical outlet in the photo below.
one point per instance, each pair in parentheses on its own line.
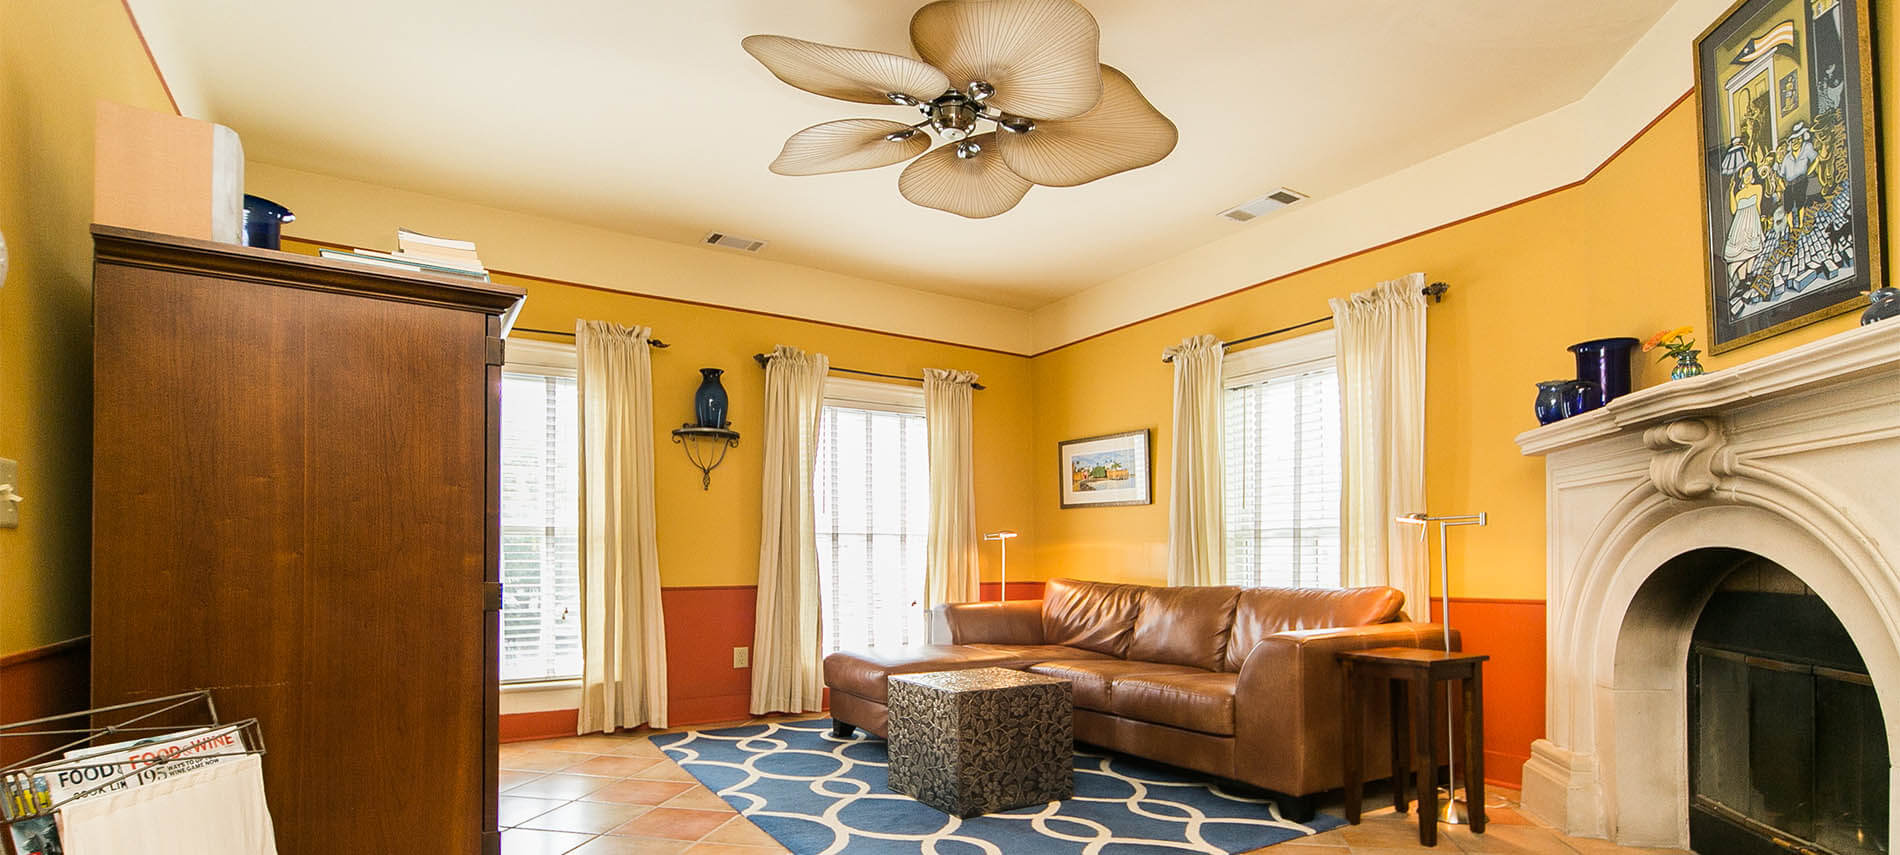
(741,657)
(9,494)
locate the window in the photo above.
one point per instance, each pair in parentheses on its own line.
(1282,461)
(872,485)
(540,514)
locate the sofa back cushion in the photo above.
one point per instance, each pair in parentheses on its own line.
(1184,626)
(1096,616)
(1264,611)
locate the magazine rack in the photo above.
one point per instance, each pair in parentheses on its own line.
(20,798)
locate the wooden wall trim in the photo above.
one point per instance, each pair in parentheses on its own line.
(57,648)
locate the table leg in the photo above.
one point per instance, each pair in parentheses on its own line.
(1354,727)
(1426,717)
(1401,745)
(1474,737)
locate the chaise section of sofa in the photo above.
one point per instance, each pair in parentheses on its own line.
(1238,683)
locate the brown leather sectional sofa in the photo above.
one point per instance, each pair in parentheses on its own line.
(1238,683)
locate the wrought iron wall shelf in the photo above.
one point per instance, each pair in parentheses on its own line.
(705,448)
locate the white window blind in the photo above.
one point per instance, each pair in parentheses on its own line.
(1282,465)
(872,482)
(540,524)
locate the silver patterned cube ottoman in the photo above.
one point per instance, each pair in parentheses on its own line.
(983,740)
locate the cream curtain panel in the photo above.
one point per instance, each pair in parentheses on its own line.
(951,574)
(786,644)
(623,633)
(1381,344)
(1196,551)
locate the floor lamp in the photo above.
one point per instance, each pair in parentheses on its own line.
(1002,541)
(1455,810)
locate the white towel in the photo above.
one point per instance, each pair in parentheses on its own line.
(215,810)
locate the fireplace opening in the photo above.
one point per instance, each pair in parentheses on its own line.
(1787,746)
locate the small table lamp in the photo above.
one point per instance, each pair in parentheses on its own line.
(1002,538)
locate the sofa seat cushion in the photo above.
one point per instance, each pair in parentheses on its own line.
(1094,678)
(1021,656)
(862,672)
(1202,701)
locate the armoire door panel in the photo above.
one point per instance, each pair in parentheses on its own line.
(396,527)
(199,414)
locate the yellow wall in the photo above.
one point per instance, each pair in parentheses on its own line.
(711,537)
(57,58)
(1619,255)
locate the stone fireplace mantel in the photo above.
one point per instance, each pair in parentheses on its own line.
(1794,457)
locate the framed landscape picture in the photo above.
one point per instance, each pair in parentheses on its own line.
(1785,107)
(1116,469)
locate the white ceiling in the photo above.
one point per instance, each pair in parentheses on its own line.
(647,117)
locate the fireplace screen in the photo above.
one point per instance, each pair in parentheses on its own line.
(1788,749)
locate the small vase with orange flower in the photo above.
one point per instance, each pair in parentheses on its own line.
(1676,344)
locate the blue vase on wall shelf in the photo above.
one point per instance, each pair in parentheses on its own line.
(1606,362)
(709,402)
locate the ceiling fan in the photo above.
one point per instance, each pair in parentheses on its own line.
(1031,68)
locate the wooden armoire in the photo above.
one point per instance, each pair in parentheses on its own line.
(295,504)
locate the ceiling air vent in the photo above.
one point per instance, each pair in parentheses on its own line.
(743,244)
(1271,202)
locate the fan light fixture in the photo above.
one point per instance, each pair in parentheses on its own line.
(1030,68)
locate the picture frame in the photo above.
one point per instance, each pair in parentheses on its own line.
(1107,470)
(1785,123)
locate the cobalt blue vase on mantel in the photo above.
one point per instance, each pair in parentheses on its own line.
(1606,362)
(709,403)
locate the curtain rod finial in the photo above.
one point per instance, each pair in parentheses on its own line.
(1436,291)
(761,358)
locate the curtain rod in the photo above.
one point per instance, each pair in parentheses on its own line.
(763,358)
(1436,291)
(651,341)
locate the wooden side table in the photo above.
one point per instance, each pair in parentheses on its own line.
(1412,674)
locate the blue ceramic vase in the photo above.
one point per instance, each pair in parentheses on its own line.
(709,402)
(1882,303)
(264,221)
(1581,396)
(1560,399)
(1549,405)
(1606,362)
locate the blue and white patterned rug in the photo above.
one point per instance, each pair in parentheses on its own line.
(820,795)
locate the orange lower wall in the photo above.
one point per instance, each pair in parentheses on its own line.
(53,679)
(702,626)
(1511,632)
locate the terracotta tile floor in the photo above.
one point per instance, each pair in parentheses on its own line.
(607,795)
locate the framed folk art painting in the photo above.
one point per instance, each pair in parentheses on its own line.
(1790,177)
(1115,469)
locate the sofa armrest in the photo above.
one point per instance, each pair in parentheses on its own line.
(1289,705)
(1008,622)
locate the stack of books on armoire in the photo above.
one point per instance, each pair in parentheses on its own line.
(419,252)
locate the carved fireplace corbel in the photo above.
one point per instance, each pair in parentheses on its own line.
(1691,457)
